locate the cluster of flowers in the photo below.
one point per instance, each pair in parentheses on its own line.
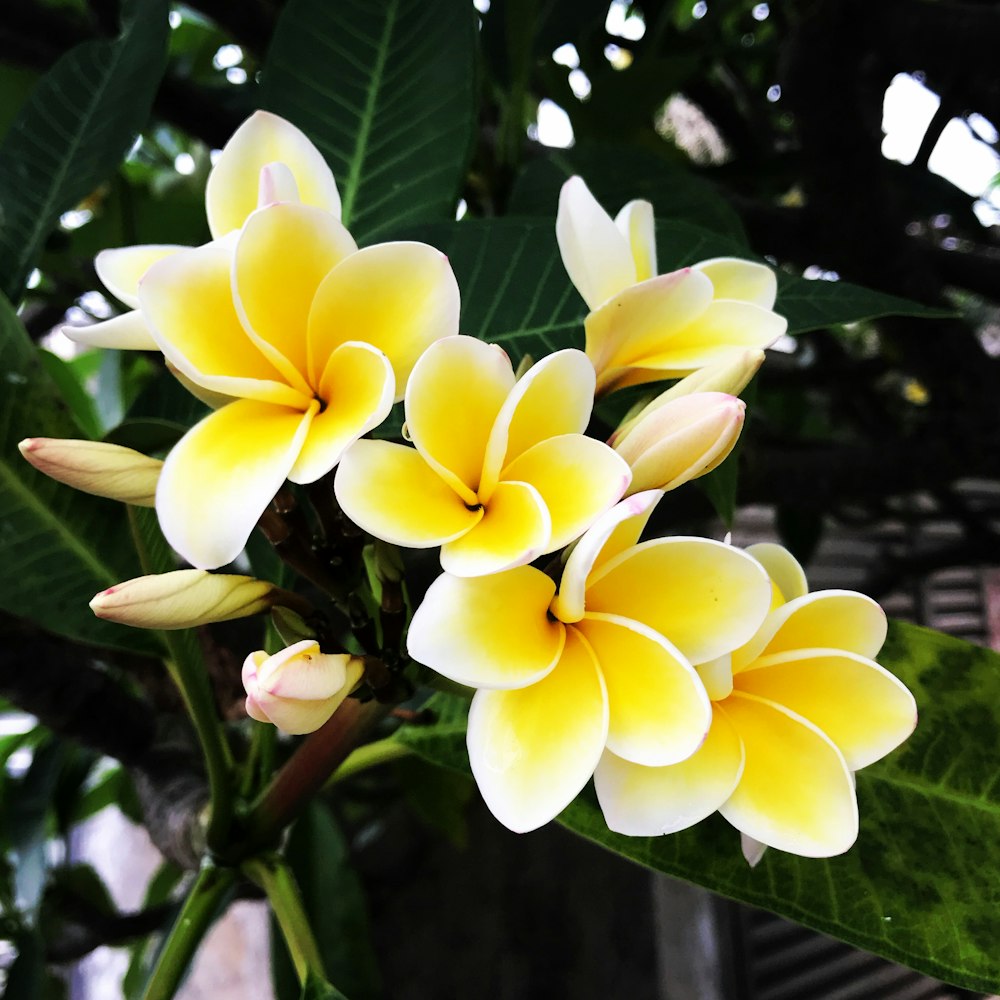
(683,674)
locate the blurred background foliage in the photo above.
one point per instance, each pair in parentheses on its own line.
(851,145)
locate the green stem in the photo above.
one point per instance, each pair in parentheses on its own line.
(202,905)
(370,755)
(275,877)
(187,670)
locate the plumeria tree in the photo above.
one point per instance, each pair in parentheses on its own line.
(461,489)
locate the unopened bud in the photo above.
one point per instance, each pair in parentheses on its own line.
(681,440)
(106,470)
(298,688)
(184,598)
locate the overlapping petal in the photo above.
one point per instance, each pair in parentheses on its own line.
(359,384)
(859,705)
(221,475)
(264,138)
(796,792)
(744,280)
(127,332)
(488,631)
(533,749)
(636,223)
(389,491)
(783,568)
(646,801)
(659,711)
(120,269)
(398,297)
(705,597)
(515,528)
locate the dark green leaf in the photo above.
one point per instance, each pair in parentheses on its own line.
(58,546)
(437,796)
(922,883)
(81,406)
(386,92)
(28,977)
(319,989)
(722,484)
(74,130)
(113,788)
(335,905)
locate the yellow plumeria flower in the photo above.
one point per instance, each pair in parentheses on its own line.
(795,711)
(266,160)
(501,471)
(313,338)
(562,676)
(643,327)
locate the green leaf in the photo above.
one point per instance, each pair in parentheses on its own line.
(921,884)
(386,92)
(113,788)
(616,175)
(58,546)
(438,797)
(319,989)
(28,977)
(74,130)
(334,902)
(722,484)
(81,406)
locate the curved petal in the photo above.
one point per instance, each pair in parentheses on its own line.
(295,716)
(121,268)
(647,801)
(302,672)
(826,619)
(398,297)
(455,392)
(277,183)
(597,258)
(705,597)
(611,534)
(636,223)
(359,384)
(743,280)
(488,631)
(219,478)
(213,400)
(264,138)
(644,319)
(579,479)
(392,493)
(128,332)
(723,327)
(555,396)
(797,792)
(532,750)
(859,705)
(783,568)
(659,711)
(188,301)
(515,529)
(283,254)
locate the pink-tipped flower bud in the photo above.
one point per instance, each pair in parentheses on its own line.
(106,470)
(185,598)
(681,439)
(298,688)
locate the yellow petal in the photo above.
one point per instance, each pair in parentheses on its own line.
(597,258)
(188,301)
(647,801)
(121,268)
(283,254)
(515,529)
(744,280)
(827,619)
(359,385)
(782,567)
(860,706)
(532,750)
(643,320)
(455,392)
(636,223)
(659,711)
(233,185)
(128,332)
(578,478)
(611,534)
(399,297)
(796,792)
(555,396)
(488,631)
(392,493)
(705,597)
(219,478)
